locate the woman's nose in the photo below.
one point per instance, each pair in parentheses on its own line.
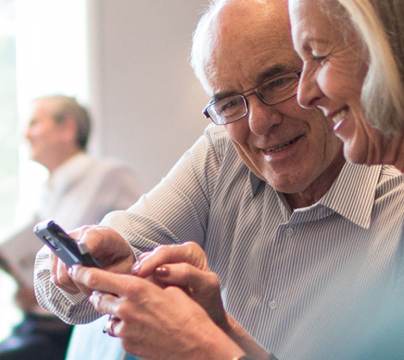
(308,91)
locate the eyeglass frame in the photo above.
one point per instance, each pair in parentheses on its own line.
(254,90)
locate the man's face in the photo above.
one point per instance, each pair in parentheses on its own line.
(45,136)
(287,146)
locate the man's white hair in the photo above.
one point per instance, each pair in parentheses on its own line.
(203,40)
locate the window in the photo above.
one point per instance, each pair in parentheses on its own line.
(8,150)
(40,54)
(8,116)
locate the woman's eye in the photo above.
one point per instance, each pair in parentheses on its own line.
(319,58)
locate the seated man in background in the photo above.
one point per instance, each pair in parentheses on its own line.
(80,190)
(297,236)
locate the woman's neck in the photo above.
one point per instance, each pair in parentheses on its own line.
(393,153)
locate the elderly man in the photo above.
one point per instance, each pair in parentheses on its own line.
(80,190)
(267,195)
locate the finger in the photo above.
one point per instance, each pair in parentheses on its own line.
(188,277)
(144,255)
(111,325)
(62,278)
(106,245)
(108,282)
(189,252)
(54,266)
(105,303)
(79,232)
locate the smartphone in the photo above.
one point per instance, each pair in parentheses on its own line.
(63,246)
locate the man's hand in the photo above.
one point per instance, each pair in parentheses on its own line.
(103,243)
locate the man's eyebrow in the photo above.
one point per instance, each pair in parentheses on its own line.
(273,71)
(221,95)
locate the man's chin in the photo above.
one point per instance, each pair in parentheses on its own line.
(287,185)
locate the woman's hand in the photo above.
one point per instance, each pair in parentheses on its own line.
(185,266)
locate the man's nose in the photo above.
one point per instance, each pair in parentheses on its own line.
(261,117)
(308,91)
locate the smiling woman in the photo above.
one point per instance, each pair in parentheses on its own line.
(353,71)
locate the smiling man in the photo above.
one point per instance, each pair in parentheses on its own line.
(267,195)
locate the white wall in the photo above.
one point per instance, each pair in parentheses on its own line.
(143,93)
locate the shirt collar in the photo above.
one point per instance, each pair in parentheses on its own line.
(352,194)
(255,182)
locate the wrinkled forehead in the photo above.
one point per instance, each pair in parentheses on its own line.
(248,39)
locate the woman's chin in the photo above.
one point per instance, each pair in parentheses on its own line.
(356,154)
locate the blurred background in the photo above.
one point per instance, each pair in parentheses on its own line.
(127,60)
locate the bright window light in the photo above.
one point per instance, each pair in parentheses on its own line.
(43,51)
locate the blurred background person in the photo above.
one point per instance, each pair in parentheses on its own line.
(80,190)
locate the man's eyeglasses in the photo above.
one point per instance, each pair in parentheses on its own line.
(271,92)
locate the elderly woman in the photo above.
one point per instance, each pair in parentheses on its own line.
(353,71)
(353,53)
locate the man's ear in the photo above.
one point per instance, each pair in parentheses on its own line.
(69,127)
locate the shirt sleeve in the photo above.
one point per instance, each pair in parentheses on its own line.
(175,211)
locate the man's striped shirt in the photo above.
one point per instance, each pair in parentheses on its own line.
(289,277)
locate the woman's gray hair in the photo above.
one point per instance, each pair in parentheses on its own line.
(66,106)
(380,26)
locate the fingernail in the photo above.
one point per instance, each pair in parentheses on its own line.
(95,298)
(72,270)
(135,268)
(161,271)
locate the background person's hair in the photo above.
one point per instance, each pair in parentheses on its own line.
(66,106)
(379,24)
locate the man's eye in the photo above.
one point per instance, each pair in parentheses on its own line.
(277,84)
(228,107)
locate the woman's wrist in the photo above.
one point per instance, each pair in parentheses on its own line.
(251,349)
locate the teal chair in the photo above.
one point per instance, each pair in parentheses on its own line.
(90,343)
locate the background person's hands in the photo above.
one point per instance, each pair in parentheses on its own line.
(103,243)
(185,266)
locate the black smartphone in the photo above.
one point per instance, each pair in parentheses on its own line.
(63,246)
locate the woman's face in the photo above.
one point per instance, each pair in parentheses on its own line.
(334,68)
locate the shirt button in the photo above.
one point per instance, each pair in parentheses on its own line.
(272,305)
(289,232)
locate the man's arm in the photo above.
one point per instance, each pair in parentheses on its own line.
(175,211)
